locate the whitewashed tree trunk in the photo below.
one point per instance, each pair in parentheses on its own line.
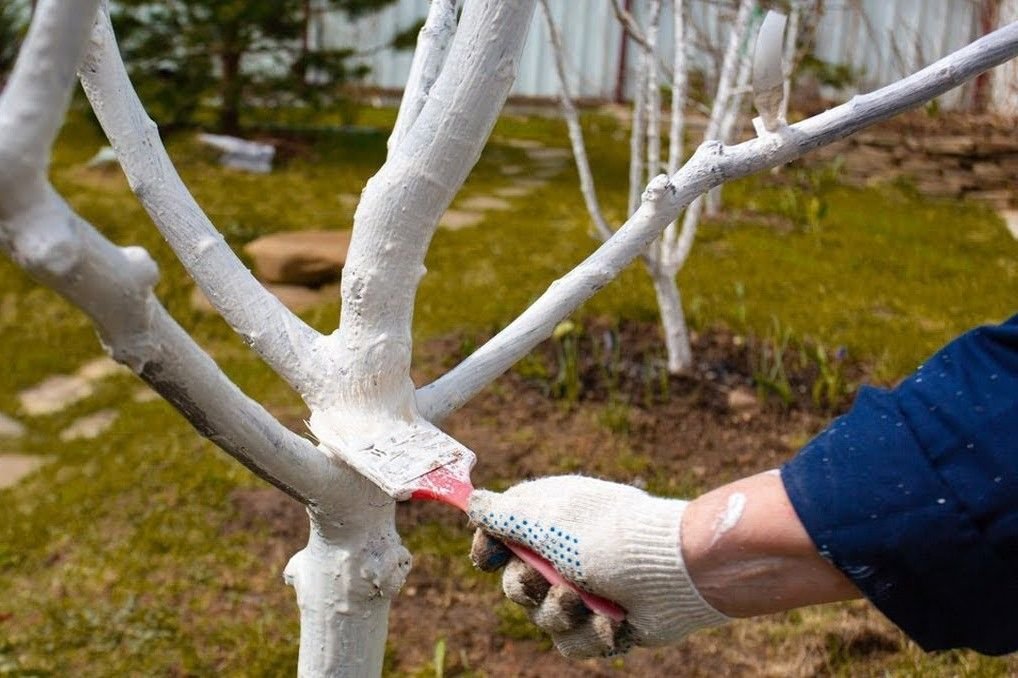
(356,379)
(673,322)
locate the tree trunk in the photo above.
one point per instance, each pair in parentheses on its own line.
(345,580)
(673,321)
(231,89)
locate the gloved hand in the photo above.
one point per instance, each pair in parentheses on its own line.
(610,539)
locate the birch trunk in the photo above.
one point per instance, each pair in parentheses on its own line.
(673,322)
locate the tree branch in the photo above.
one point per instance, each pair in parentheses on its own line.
(113,285)
(432,45)
(285,342)
(572,118)
(711,165)
(401,206)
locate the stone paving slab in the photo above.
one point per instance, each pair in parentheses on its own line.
(513,191)
(484,203)
(101,368)
(54,394)
(14,467)
(10,427)
(455,219)
(90,426)
(548,153)
(1010,218)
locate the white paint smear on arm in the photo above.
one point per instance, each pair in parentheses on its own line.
(729,518)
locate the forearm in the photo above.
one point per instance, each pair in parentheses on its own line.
(748,554)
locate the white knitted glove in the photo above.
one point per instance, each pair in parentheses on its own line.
(612,540)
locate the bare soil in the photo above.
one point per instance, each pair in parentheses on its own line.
(680,439)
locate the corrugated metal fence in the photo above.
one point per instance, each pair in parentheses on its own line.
(881,40)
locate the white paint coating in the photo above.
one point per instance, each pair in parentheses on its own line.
(729,517)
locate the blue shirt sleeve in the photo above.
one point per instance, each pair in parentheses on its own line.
(913,494)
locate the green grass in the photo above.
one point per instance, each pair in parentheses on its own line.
(114,559)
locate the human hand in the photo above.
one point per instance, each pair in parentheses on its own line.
(613,540)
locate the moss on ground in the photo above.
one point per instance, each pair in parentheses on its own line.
(116,557)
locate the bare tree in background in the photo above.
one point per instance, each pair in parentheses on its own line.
(355,379)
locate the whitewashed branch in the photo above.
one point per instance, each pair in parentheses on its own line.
(429,57)
(769,75)
(286,343)
(401,205)
(572,119)
(653,93)
(711,165)
(680,88)
(788,59)
(113,285)
(679,242)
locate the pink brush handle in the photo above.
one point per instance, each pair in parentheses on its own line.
(448,488)
(596,603)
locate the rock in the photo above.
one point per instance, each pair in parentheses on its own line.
(101,368)
(54,394)
(513,191)
(14,467)
(297,298)
(349,201)
(949,145)
(991,172)
(240,154)
(483,203)
(741,399)
(525,144)
(89,427)
(1010,218)
(104,158)
(144,395)
(548,153)
(999,199)
(454,220)
(996,145)
(308,258)
(10,427)
(920,164)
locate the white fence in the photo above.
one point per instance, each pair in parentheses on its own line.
(881,40)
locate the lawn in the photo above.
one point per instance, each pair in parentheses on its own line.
(148,552)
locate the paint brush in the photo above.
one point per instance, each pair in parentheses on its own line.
(415,460)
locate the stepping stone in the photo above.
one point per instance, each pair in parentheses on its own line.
(549,153)
(14,467)
(514,191)
(454,220)
(349,200)
(145,395)
(483,203)
(54,394)
(1010,218)
(241,154)
(101,368)
(308,258)
(89,427)
(10,427)
(526,144)
(532,184)
(104,158)
(297,298)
